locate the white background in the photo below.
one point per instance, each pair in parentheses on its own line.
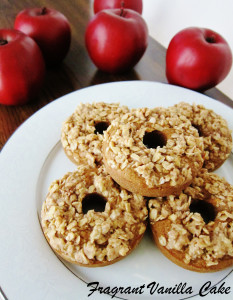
(166,17)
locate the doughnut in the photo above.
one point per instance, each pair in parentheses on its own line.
(214,130)
(152,152)
(82,132)
(91,221)
(195,228)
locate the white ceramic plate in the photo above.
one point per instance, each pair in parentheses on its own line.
(32,159)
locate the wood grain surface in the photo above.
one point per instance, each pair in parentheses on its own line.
(77,70)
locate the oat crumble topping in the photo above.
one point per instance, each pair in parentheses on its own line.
(188,231)
(78,137)
(174,163)
(94,236)
(214,129)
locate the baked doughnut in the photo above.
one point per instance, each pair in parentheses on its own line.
(90,220)
(214,130)
(82,132)
(152,152)
(195,229)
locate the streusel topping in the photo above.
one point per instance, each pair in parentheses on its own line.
(82,132)
(94,235)
(174,162)
(189,232)
(214,129)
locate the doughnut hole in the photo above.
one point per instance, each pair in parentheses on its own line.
(204,208)
(198,127)
(93,201)
(154,139)
(101,126)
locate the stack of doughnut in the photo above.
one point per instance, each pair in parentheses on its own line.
(87,218)
(134,164)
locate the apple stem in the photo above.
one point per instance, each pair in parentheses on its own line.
(43,11)
(122,8)
(3,42)
(211,39)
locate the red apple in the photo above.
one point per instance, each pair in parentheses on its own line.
(198,59)
(22,67)
(116,39)
(106,4)
(49,28)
